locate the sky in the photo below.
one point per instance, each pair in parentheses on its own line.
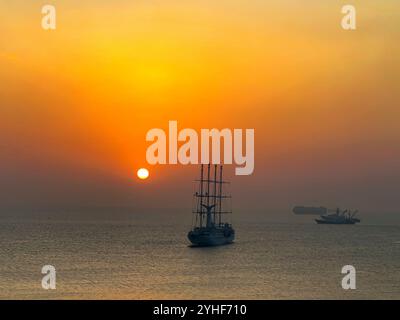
(76,103)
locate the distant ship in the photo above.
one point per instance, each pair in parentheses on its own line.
(345,217)
(338,217)
(209,229)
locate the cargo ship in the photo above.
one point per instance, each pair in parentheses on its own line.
(344,217)
(337,217)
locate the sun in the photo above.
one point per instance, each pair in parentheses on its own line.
(143,173)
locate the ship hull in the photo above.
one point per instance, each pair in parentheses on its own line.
(206,237)
(334,222)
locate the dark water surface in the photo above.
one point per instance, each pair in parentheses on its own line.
(125,260)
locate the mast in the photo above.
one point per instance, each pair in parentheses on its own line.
(208,185)
(215,191)
(201,197)
(208,208)
(220,195)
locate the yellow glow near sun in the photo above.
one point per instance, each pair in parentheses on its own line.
(143,173)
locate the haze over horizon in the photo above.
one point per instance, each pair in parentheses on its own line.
(76,103)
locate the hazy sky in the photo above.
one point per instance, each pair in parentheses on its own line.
(76,103)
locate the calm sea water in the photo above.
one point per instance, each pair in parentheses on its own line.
(125,260)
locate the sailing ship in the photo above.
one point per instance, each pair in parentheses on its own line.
(209,227)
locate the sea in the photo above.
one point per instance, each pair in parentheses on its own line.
(152,259)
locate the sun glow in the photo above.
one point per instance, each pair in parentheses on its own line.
(143,173)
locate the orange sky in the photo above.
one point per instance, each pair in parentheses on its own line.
(76,103)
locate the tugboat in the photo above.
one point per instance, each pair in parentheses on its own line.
(209,229)
(339,218)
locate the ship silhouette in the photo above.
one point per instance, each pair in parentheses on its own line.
(344,217)
(328,216)
(209,227)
